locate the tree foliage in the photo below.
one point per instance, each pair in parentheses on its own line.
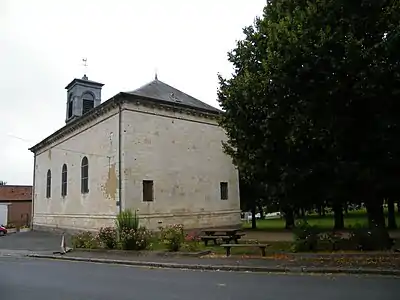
(312,108)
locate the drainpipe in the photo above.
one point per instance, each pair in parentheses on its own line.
(120,155)
(33,190)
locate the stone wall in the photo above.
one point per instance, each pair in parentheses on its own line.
(182,154)
(98,141)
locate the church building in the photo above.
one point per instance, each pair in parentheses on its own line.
(156,150)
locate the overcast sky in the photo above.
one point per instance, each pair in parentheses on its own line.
(42,44)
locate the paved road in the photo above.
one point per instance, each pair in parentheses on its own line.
(24,278)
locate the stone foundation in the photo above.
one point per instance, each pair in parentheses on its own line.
(194,221)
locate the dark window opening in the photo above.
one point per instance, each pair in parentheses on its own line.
(48,184)
(70,108)
(148,190)
(85,176)
(64,178)
(87,106)
(87,103)
(224,190)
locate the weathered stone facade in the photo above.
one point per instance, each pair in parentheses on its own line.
(98,141)
(178,148)
(183,155)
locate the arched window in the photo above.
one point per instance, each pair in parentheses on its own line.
(87,102)
(48,184)
(64,180)
(85,176)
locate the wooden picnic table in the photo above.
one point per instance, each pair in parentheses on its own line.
(226,234)
(227,231)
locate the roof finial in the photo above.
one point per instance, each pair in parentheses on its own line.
(155,76)
(84,60)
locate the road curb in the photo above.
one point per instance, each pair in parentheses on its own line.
(298,270)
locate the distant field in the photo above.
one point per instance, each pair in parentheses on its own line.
(323,222)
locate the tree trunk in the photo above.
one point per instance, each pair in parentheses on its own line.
(376,217)
(377,222)
(391,214)
(346,208)
(261,209)
(319,210)
(398,206)
(302,212)
(289,218)
(297,213)
(253,215)
(338,216)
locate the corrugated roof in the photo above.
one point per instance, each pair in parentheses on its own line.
(159,90)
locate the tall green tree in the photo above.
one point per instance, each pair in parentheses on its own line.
(314,92)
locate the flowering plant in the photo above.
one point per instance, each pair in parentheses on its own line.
(172,236)
(192,241)
(108,237)
(135,239)
(192,237)
(85,239)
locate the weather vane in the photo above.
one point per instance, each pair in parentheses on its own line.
(84,60)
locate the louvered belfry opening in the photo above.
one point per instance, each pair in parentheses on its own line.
(87,103)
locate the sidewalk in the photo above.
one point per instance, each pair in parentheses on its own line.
(377,264)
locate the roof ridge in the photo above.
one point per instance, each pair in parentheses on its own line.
(143,85)
(159,90)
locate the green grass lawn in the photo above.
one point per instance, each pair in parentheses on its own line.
(324,222)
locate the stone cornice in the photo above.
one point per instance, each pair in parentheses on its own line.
(117,101)
(171,107)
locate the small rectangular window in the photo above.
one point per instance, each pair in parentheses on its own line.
(224,190)
(148,190)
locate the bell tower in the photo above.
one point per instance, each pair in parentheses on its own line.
(82,96)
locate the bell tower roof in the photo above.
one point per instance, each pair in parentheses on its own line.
(83,81)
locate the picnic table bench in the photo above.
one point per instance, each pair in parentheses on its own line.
(227,235)
(229,246)
(224,238)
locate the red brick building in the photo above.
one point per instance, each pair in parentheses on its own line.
(18,200)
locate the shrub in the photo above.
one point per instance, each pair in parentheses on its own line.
(135,239)
(192,242)
(108,237)
(127,220)
(333,241)
(172,236)
(85,239)
(306,237)
(10,226)
(370,239)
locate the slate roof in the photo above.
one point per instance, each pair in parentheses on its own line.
(83,81)
(159,90)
